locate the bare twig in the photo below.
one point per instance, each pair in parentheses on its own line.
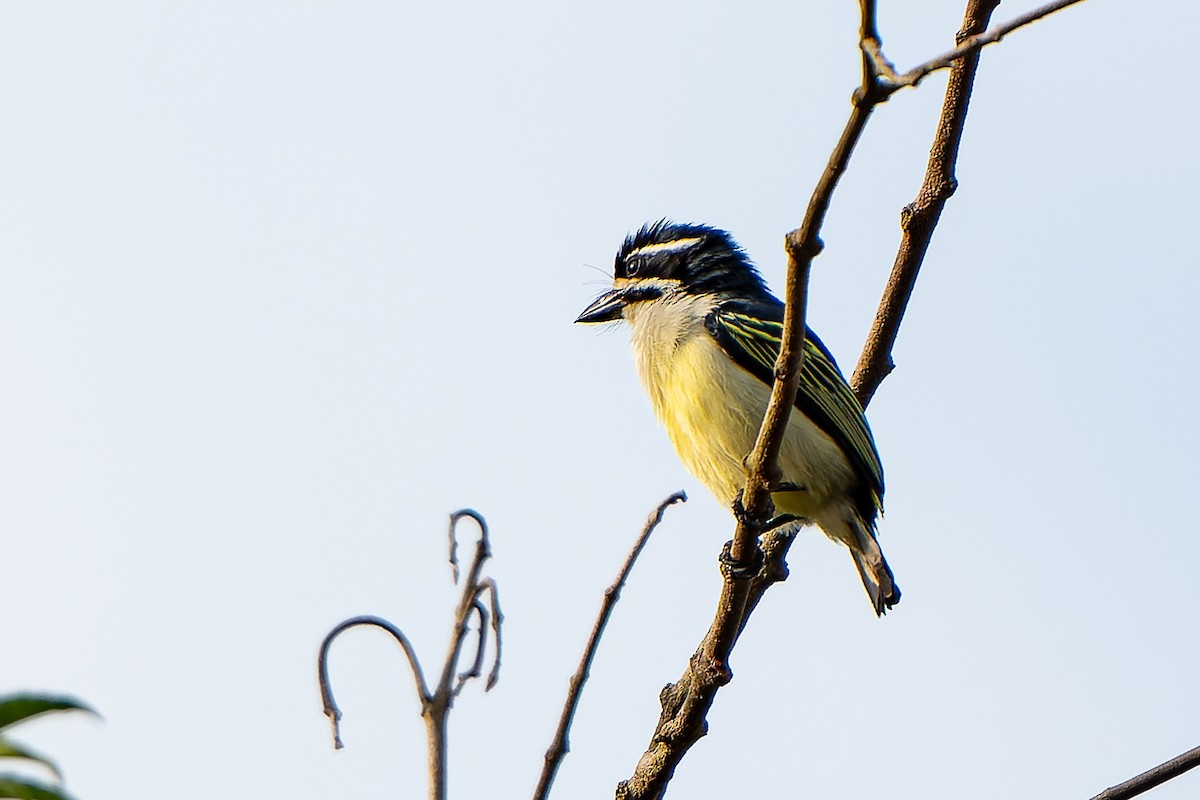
(453,545)
(972,45)
(1152,777)
(685,703)
(476,668)
(875,64)
(775,546)
(489,585)
(328,704)
(920,217)
(435,705)
(803,245)
(466,603)
(560,745)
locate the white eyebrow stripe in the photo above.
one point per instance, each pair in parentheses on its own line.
(664,247)
(665,284)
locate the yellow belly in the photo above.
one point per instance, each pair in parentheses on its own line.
(712,410)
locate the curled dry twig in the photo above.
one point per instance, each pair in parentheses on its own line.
(497,625)
(476,668)
(436,704)
(329,706)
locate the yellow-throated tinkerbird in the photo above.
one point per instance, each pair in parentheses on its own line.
(706,334)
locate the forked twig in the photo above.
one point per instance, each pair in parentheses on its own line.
(919,218)
(436,704)
(972,44)
(685,704)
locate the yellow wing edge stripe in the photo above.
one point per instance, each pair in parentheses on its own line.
(820,381)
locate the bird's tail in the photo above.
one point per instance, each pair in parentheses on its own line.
(873,568)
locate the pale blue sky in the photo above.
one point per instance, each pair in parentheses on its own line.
(284,283)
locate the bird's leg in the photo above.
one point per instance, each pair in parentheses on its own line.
(779,520)
(738,507)
(745,568)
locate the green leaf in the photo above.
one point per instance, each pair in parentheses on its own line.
(10,749)
(16,708)
(14,786)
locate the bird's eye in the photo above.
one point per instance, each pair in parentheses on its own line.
(633,267)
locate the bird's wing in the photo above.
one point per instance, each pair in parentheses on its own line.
(752,336)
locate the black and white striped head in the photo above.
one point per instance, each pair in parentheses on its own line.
(665,258)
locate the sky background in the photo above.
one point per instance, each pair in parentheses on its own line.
(282,284)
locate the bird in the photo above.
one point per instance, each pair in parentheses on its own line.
(706,333)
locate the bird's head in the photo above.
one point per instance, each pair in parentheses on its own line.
(665,260)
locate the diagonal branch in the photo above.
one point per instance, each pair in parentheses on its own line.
(560,745)
(1152,777)
(972,44)
(919,219)
(685,704)
(802,245)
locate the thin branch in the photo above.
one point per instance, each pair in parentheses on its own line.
(435,705)
(483,551)
(972,45)
(868,25)
(453,543)
(775,546)
(920,218)
(328,704)
(560,745)
(452,535)
(686,703)
(489,585)
(803,245)
(1152,777)
(437,710)
(476,668)
(875,64)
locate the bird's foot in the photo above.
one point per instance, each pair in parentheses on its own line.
(766,524)
(788,486)
(738,507)
(744,569)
